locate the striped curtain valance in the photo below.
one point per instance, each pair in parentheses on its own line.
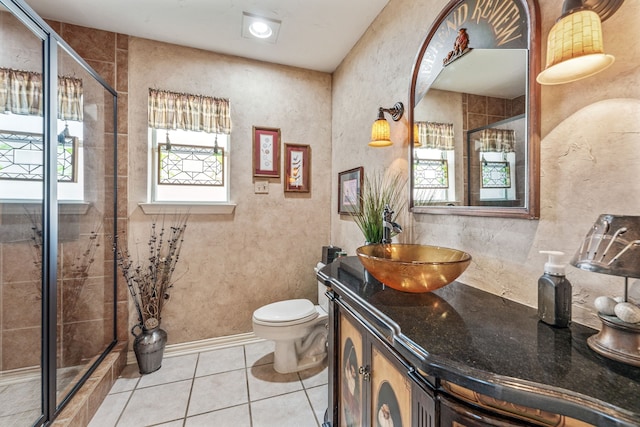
(171,110)
(21,93)
(497,140)
(435,135)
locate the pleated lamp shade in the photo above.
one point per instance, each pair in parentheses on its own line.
(380,133)
(575,49)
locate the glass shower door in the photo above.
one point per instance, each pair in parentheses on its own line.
(85,222)
(21,221)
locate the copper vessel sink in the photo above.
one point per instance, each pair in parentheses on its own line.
(413,268)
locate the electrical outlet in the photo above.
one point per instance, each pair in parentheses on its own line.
(261,187)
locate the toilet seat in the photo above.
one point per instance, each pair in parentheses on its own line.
(285,313)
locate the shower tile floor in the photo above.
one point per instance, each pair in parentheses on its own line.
(235,386)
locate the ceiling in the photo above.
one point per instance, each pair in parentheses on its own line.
(500,73)
(314,34)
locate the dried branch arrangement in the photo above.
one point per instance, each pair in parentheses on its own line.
(150,279)
(74,274)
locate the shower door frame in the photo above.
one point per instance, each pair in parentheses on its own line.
(50,214)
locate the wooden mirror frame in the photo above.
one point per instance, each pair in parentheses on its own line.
(532,208)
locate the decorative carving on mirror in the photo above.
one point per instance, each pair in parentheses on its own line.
(476,72)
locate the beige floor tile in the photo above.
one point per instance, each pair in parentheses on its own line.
(173,369)
(315,376)
(265,382)
(109,411)
(260,353)
(158,404)
(318,397)
(288,410)
(128,379)
(238,416)
(20,419)
(177,423)
(224,360)
(218,395)
(218,391)
(20,397)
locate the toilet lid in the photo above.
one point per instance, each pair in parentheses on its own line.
(286,311)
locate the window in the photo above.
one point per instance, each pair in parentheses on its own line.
(22,156)
(434,167)
(188,166)
(189,147)
(21,140)
(434,173)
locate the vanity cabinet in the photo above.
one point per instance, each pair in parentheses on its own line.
(374,385)
(456,414)
(461,357)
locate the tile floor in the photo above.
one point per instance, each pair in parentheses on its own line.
(235,386)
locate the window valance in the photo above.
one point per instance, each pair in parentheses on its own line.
(21,93)
(171,110)
(435,135)
(497,140)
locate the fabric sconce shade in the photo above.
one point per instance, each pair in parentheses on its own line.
(381,131)
(575,48)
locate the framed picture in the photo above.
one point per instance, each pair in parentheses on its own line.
(266,152)
(298,168)
(349,188)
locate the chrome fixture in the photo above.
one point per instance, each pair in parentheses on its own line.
(380,131)
(612,246)
(388,226)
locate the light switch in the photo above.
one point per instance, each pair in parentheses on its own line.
(261,187)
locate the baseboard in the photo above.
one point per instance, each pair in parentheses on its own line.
(208,344)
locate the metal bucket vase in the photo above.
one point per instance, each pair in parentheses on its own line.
(148,347)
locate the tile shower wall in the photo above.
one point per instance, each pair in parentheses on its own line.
(20,329)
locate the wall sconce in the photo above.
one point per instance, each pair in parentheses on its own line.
(612,246)
(416,135)
(574,45)
(380,131)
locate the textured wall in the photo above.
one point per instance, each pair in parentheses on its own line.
(590,153)
(232,264)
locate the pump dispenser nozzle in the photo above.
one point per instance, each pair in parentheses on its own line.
(553,266)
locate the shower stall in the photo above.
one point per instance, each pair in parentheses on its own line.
(58,216)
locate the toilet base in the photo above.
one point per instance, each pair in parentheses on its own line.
(303,353)
(285,358)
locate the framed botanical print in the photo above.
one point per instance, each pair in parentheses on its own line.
(266,152)
(297,168)
(349,191)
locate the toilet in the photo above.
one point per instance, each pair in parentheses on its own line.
(299,329)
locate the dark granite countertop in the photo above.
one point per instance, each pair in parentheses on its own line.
(494,346)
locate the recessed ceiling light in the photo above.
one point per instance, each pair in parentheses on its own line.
(258,27)
(260,30)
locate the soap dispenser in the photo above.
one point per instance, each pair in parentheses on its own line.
(554,292)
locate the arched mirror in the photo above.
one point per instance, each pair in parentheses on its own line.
(473,112)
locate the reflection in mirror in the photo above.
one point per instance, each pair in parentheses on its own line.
(465,110)
(473,112)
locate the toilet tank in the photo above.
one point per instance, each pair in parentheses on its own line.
(323,301)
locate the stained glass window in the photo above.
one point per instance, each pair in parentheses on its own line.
(190,165)
(21,156)
(496,175)
(431,173)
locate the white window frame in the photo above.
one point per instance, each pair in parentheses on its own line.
(18,190)
(199,199)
